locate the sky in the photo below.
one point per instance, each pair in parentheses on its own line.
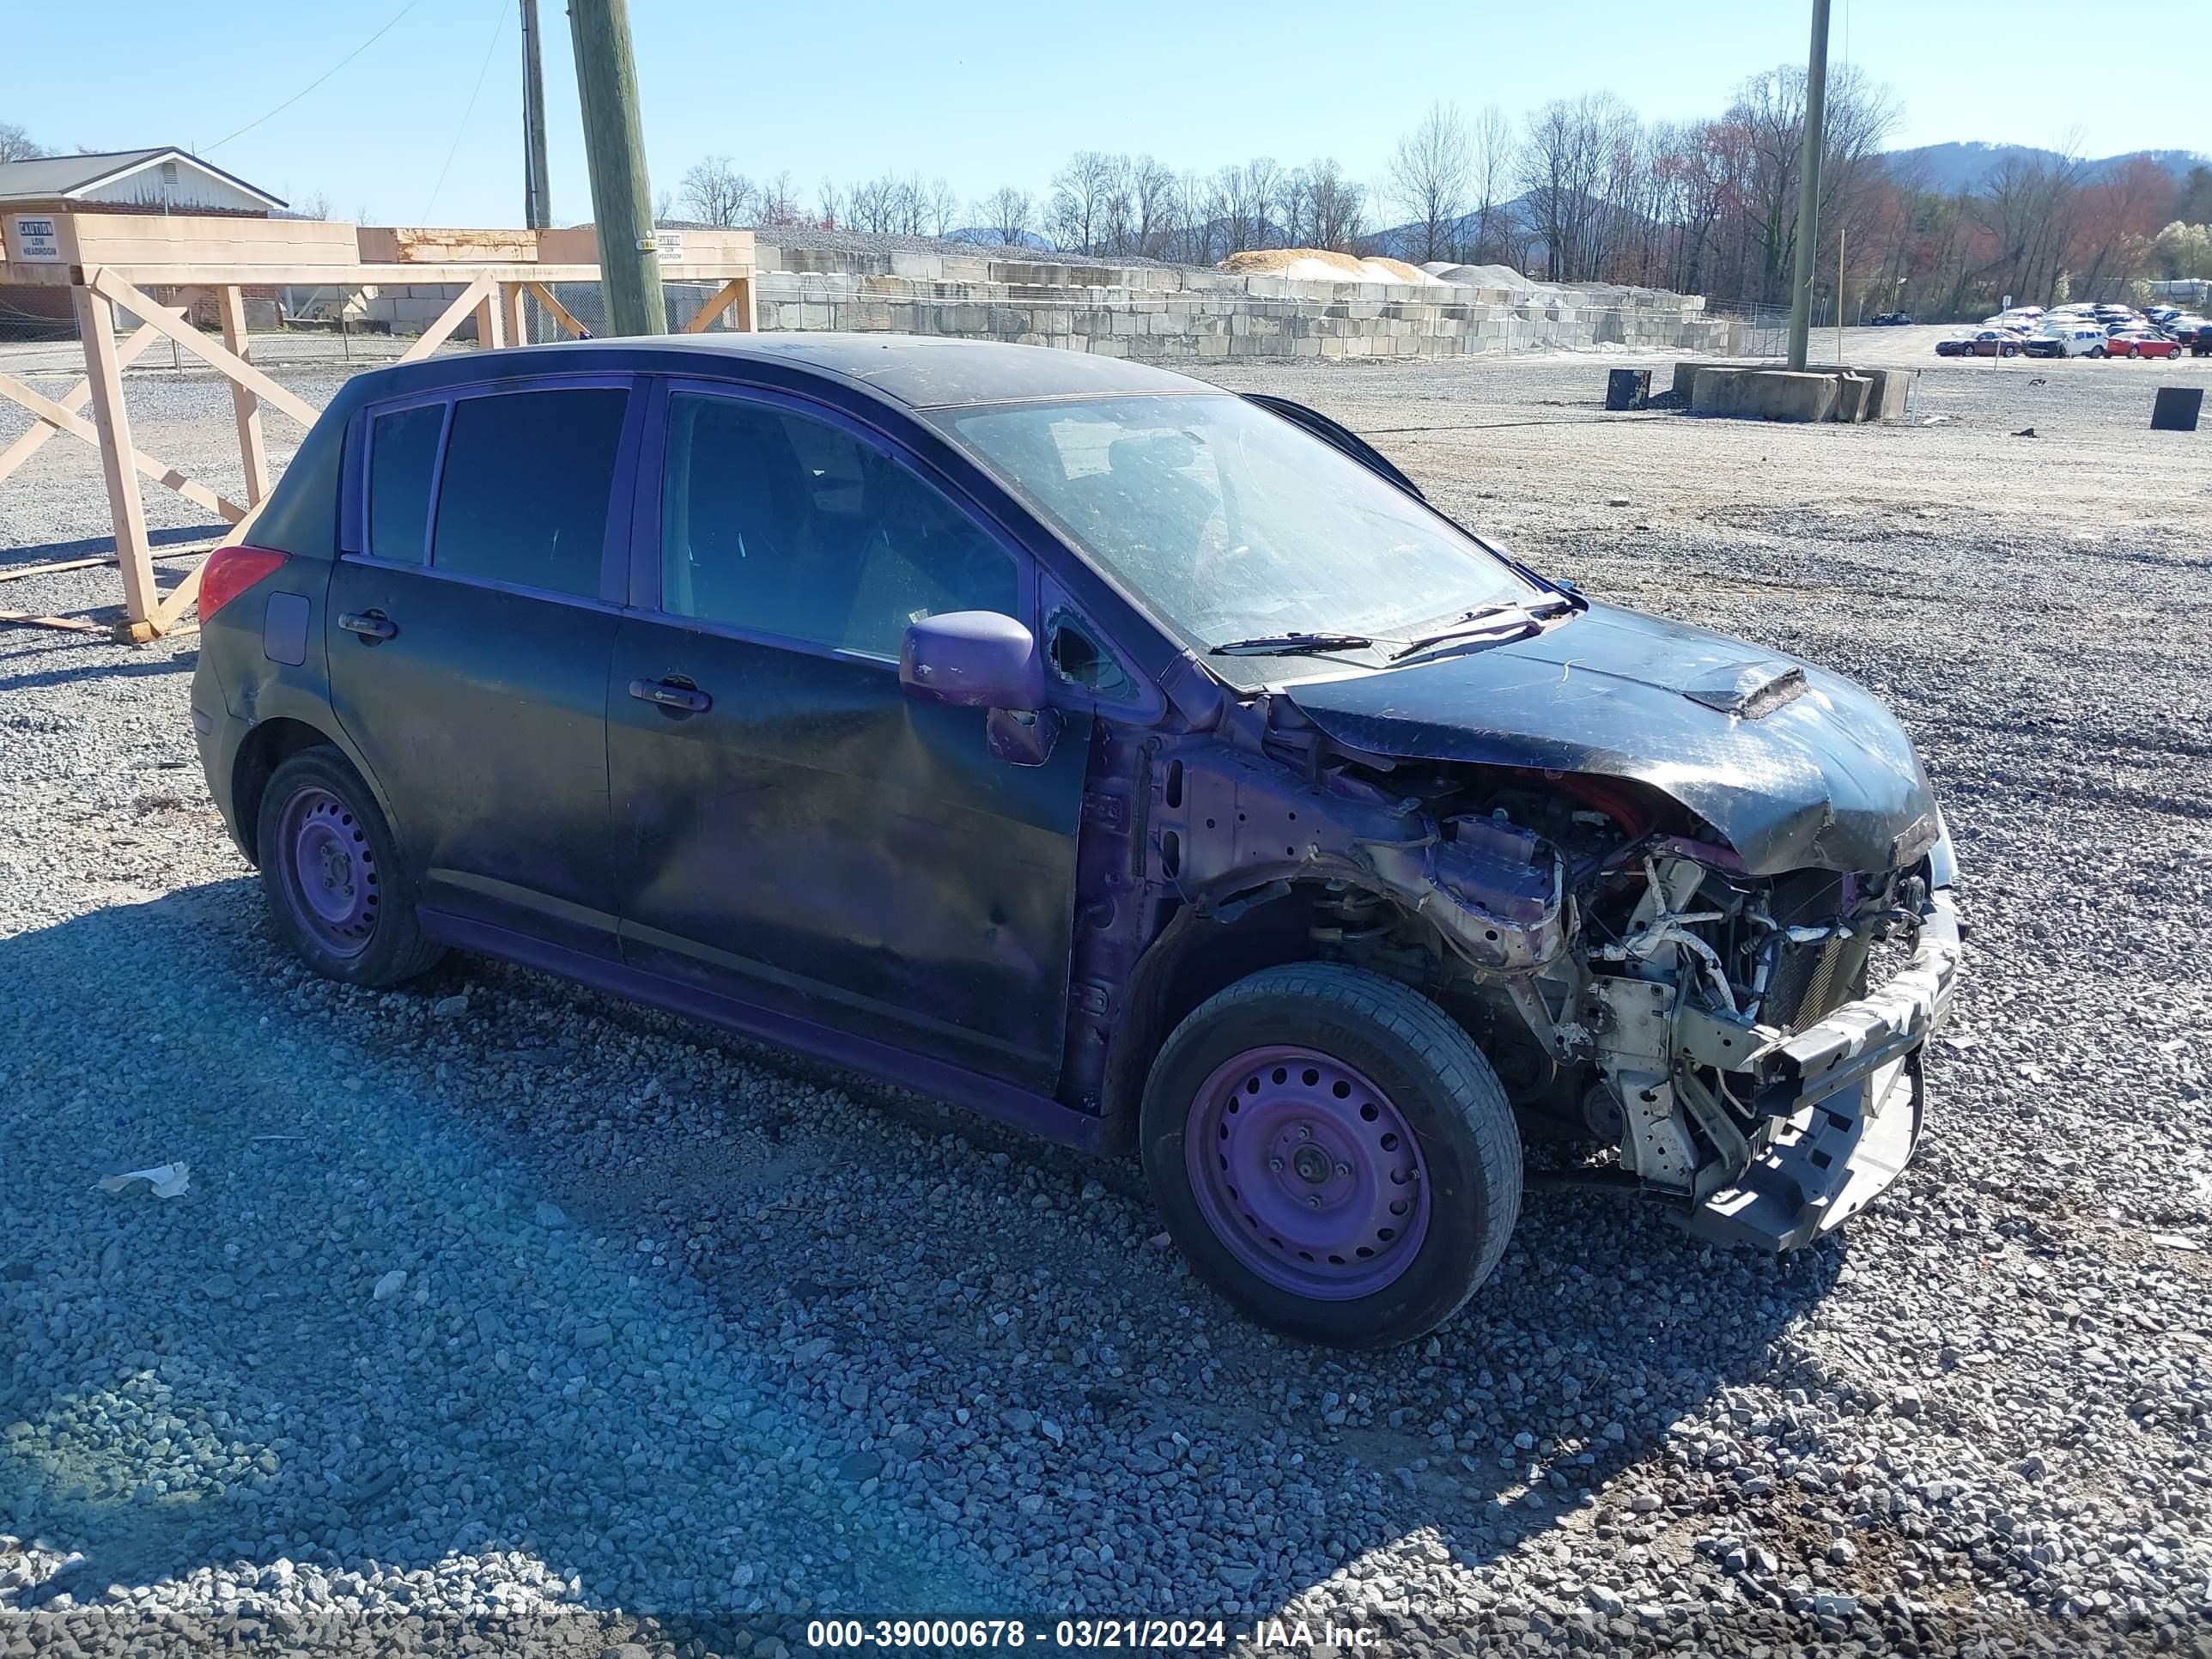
(423,126)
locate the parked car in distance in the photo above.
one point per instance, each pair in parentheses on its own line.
(1957,346)
(1994,343)
(2063,339)
(2141,342)
(1141,763)
(1891,320)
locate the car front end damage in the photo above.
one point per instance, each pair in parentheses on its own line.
(1717,942)
(1730,1037)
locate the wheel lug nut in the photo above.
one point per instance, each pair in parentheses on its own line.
(1305,1132)
(1343,1169)
(1274,1166)
(1314,1203)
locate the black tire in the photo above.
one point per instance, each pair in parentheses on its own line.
(389,947)
(1439,1084)
(2096,351)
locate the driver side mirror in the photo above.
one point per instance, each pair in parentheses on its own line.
(980,659)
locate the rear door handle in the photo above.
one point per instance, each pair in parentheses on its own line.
(669,694)
(373,626)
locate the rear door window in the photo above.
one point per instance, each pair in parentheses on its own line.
(402,453)
(523,498)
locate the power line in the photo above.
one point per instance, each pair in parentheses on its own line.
(498,29)
(317,82)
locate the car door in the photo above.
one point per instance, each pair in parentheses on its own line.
(791,830)
(470,634)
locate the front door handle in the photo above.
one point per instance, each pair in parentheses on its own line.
(373,626)
(671,695)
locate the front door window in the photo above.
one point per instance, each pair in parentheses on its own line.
(776,522)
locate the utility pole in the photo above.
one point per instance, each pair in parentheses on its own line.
(614,149)
(1808,187)
(536,199)
(536,202)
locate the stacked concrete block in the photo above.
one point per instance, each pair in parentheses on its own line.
(1167,312)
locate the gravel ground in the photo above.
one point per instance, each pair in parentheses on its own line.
(499,1316)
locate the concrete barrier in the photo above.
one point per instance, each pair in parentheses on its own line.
(1770,392)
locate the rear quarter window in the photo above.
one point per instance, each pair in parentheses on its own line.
(523,498)
(402,452)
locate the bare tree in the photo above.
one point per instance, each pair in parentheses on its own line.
(779,202)
(1150,187)
(829,202)
(1576,164)
(1429,178)
(715,193)
(1082,196)
(941,208)
(1335,208)
(1490,153)
(1006,213)
(16,143)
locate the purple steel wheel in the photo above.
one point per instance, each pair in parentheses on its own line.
(1307,1172)
(330,882)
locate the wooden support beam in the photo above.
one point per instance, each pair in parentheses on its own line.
(491,321)
(111,287)
(63,419)
(28,443)
(181,598)
(53,568)
(441,331)
(737,288)
(518,317)
(243,405)
(559,313)
(95,325)
(33,619)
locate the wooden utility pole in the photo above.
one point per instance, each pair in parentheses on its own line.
(536,202)
(1808,187)
(614,149)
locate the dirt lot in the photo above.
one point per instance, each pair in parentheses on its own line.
(693,1344)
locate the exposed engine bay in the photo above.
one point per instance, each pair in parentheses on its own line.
(1746,1042)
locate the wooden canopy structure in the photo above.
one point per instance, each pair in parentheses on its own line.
(158,269)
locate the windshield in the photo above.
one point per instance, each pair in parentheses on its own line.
(1232,525)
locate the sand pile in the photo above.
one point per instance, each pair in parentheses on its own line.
(1314,264)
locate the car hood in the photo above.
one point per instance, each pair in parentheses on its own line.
(1796,767)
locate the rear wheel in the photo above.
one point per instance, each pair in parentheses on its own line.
(2097,351)
(1332,1154)
(333,875)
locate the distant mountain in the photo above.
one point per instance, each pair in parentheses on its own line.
(1949,169)
(1408,241)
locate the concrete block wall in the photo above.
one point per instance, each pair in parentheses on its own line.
(1165,312)
(1156,313)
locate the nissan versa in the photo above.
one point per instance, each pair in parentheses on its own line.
(1125,758)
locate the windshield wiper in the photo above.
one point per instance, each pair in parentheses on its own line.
(1289,645)
(1487,619)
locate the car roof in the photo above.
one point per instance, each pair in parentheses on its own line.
(918,371)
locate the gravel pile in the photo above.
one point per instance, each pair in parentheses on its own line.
(498,1317)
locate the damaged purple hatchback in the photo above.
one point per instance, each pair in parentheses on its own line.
(1133,761)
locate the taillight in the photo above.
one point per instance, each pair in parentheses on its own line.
(229,571)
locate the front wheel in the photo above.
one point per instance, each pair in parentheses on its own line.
(332,874)
(1332,1154)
